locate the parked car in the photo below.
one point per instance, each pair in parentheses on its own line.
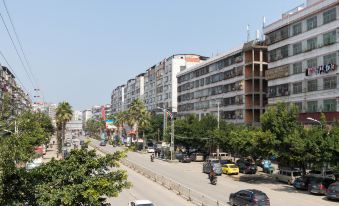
(319,185)
(301,183)
(325,173)
(141,203)
(247,168)
(223,162)
(102,143)
(249,197)
(186,159)
(222,156)
(332,192)
(197,157)
(288,175)
(212,163)
(150,150)
(230,169)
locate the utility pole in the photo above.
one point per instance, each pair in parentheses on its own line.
(218,103)
(172,136)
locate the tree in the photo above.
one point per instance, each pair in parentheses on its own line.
(138,115)
(63,115)
(80,179)
(93,127)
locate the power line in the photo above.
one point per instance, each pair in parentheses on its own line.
(21,47)
(16,50)
(10,67)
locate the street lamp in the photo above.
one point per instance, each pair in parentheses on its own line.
(172,129)
(218,103)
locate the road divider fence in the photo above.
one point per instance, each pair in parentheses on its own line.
(189,194)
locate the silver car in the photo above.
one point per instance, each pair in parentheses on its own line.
(212,163)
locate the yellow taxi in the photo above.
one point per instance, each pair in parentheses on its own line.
(230,169)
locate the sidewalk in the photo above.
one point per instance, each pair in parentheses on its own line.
(51,152)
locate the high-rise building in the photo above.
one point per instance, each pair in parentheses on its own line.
(8,85)
(303,54)
(118,99)
(157,87)
(86,115)
(230,85)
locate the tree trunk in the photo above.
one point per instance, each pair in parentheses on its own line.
(143,137)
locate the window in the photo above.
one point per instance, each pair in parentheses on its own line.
(312,106)
(330,105)
(330,82)
(330,59)
(284,51)
(311,23)
(312,85)
(299,105)
(329,38)
(297,29)
(297,68)
(329,15)
(311,44)
(297,88)
(312,63)
(297,48)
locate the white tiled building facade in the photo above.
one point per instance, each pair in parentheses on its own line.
(234,80)
(303,52)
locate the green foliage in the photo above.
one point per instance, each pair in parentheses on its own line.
(77,180)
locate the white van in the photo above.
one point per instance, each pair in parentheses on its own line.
(222,156)
(288,176)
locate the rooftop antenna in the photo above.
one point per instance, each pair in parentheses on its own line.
(263,26)
(248,32)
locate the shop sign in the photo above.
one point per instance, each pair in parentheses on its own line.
(277,72)
(323,69)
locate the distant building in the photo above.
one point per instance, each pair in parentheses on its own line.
(77,115)
(157,87)
(96,112)
(86,115)
(303,51)
(8,85)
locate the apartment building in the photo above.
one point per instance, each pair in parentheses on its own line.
(118,99)
(134,89)
(157,87)
(233,81)
(86,115)
(303,56)
(9,86)
(150,89)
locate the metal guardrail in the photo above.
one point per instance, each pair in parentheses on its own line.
(189,194)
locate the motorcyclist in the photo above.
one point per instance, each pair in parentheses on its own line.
(212,174)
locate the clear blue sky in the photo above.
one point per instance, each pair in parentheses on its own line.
(80,50)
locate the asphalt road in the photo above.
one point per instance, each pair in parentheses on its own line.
(191,176)
(145,189)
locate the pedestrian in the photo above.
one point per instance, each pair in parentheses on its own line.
(53,142)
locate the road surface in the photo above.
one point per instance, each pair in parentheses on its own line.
(191,176)
(143,188)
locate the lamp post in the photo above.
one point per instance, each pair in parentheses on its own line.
(218,116)
(172,129)
(321,125)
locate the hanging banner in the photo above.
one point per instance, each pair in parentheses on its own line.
(323,69)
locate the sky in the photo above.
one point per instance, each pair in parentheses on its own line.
(80,50)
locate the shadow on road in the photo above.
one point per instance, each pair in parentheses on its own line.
(290,189)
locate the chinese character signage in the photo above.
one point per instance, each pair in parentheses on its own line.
(323,69)
(278,72)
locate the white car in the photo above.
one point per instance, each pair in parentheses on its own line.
(141,203)
(150,150)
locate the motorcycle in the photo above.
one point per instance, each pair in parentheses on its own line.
(152,158)
(213,180)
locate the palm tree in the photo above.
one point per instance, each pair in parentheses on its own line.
(139,116)
(63,114)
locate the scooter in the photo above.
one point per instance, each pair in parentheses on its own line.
(213,180)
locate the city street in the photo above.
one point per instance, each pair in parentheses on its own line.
(143,188)
(190,175)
